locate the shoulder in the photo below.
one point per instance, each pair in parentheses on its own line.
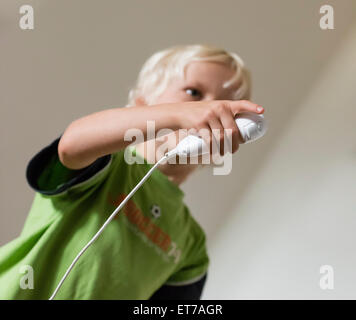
(46,175)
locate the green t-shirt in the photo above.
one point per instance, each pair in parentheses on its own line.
(152,241)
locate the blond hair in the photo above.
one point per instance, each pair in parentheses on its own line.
(163,66)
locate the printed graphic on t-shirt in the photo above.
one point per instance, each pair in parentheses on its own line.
(145,227)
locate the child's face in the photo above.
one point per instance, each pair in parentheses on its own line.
(203,81)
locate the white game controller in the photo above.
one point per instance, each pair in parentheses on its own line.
(252,126)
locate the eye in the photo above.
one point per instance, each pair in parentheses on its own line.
(195,93)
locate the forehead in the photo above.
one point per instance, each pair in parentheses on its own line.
(199,68)
(210,75)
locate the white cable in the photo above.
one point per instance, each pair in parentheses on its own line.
(166,156)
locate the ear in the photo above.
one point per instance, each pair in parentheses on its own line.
(140,101)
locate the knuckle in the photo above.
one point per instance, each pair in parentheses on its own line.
(220,107)
(209,115)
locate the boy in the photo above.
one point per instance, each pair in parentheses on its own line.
(154,248)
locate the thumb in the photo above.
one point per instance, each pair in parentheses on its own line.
(244,106)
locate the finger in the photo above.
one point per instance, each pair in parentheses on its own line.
(217,130)
(244,106)
(205,133)
(233,135)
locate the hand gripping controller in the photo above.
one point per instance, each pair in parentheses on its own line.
(252,126)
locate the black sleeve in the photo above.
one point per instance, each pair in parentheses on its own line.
(191,291)
(47,175)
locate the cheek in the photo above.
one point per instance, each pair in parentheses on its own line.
(168,97)
(172,95)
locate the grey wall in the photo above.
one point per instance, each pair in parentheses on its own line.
(83,56)
(298,212)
